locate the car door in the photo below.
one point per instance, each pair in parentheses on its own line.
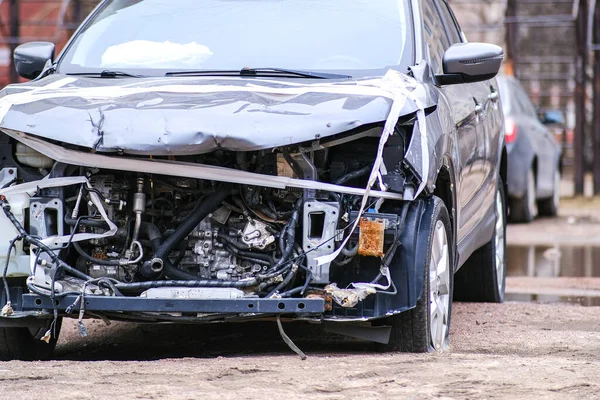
(468,105)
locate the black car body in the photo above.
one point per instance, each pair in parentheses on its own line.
(341,180)
(534,156)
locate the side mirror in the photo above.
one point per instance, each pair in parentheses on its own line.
(552,117)
(31,58)
(470,62)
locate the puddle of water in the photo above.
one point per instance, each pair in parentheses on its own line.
(547,299)
(540,264)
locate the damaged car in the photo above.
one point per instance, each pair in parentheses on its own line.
(228,160)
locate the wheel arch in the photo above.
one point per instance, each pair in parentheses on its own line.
(445,189)
(504,174)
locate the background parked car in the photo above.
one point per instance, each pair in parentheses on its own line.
(534,155)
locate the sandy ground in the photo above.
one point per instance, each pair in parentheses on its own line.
(498,351)
(509,351)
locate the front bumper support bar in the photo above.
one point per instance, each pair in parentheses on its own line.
(140,304)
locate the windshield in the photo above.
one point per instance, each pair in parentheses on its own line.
(153,37)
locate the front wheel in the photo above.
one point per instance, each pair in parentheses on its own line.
(426,327)
(26,344)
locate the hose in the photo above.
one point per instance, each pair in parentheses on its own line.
(91,259)
(350,252)
(233,242)
(286,281)
(290,237)
(291,292)
(153,234)
(353,175)
(239,249)
(200,211)
(4,280)
(160,261)
(115,263)
(94,223)
(151,269)
(141,286)
(256,258)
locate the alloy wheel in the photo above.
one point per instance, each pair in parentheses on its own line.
(500,241)
(439,287)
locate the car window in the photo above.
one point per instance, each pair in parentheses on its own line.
(152,37)
(452,28)
(435,35)
(524,104)
(506,95)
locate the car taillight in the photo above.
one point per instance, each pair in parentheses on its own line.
(510,132)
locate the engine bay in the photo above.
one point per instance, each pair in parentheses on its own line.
(159,236)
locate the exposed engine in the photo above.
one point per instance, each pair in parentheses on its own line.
(231,243)
(137,233)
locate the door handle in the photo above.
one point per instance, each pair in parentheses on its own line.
(493,95)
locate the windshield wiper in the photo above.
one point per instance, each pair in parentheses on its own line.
(106,74)
(263,72)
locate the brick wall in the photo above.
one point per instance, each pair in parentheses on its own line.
(39,20)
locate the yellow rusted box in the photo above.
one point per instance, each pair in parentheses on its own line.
(370,239)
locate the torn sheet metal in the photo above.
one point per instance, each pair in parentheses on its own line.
(348,298)
(192,115)
(401,88)
(187,170)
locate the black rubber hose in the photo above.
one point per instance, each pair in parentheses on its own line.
(290,237)
(150,269)
(264,279)
(160,260)
(36,290)
(233,242)
(239,249)
(153,234)
(353,175)
(263,257)
(4,281)
(94,223)
(141,286)
(82,253)
(286,281)
(196,216)
(249,256)
(291,292)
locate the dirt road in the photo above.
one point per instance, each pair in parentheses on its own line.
(509,351)
(498,351)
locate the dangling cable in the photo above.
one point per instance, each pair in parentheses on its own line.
(7,310)
(288,341)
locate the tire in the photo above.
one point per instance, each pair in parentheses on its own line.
(525,209)
(483,277)
(549,207)
(25,344)
(422,329)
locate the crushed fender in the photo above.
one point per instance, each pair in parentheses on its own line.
(349,298)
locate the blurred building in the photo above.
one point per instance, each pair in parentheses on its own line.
(24,21)
(545,51)
(543,32)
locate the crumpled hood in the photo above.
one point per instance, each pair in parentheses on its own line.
(180,116)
